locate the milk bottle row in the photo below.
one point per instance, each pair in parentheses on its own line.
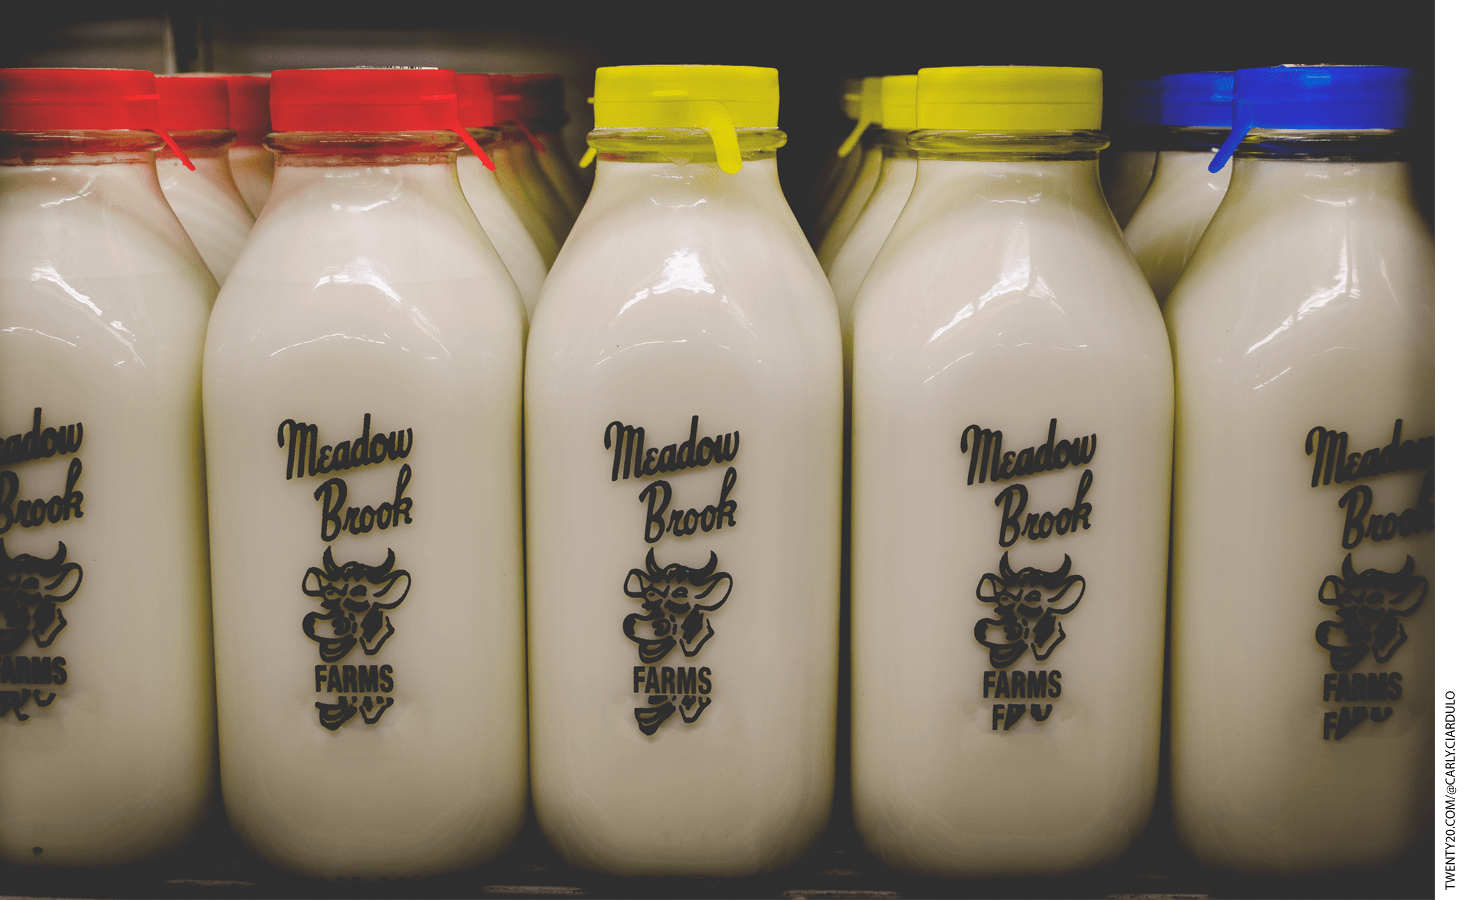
(359,386)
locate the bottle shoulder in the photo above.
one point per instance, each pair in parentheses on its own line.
(1269,274)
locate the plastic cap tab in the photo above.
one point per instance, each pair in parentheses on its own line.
(249,107)
(82,100)
(368,100)
(898,102)
(1009,98)
(192,102)
(716,99)
(1196,100)
(1139,102)
(867,113)
(1318,98)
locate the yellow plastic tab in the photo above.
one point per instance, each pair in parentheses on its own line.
(869,114)
(898,102)
(1009,98)
(715,99)
(587,157)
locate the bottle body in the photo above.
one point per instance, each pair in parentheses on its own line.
(1169,221)
(253,168)
(536,220)
(1011,455)
(848,267)
(361,393)
(1304,323)
(671,602)
(513,242)
(853,202)
(1128,181)
(207,200)
(107,720)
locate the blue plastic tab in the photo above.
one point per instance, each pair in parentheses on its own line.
(1139,102)
(1196,100)
(1318,98)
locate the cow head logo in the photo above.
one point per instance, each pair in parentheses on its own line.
(677,600)
(354,598)
(1370,606)
(30,589)
(1028,603)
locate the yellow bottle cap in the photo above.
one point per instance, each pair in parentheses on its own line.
(898,102)
(715,99)
(850,90)
(1009,98)
(869,113)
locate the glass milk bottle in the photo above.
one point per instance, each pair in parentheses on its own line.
(1303,329)
(1133,150)
(892,188)
(544,108)
(514,243)
(1008,576)
(1195,109)
(862,165)
(106,681)
(682,452)
(516,164)
(195,110)
(252,165)
(362,411)
(853,203)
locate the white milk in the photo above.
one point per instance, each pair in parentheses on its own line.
(1308,304)
(892,189)
(253,168)
(1175,211)
(368,290)
(1004,301)
(206,200)
(854,201)
(1130,178)
(514,243)
(107,734)
(686,299)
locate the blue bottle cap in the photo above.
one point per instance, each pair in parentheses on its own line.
(1139,101)
(1318,98)
(1196,100)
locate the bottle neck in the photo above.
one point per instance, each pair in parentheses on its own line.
(364,172)
(895,144)
(680,146)
(971,168)
(78,148)
(344,149)
(1329,180)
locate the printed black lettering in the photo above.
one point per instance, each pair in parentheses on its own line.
(40,443)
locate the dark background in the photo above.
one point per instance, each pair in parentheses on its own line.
(813,45)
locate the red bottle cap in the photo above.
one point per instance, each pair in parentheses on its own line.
(544,101)
(192,102)
(81,100)
(476,101)
(249,107)
(509,108)
(368,100)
